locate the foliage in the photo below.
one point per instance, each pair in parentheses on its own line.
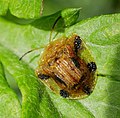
(33,100)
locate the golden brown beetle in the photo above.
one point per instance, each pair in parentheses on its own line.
(67,68)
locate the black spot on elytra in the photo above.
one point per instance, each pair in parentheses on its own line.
(82,79)
(77,43)
(87,89)
(64,93)
(59,80)
(43,76)
(75,61)
(92,66)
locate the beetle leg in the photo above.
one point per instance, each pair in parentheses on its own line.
(92,66)
(64,93)
(43,76)
(77,43)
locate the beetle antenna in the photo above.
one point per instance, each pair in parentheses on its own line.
(28,53)
(50,39)
(53,27)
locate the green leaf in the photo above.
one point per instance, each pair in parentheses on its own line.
(70,16)
(9,104)
(22,8)
(102,37)
(4,6)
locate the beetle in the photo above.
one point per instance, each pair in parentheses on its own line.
(67,68)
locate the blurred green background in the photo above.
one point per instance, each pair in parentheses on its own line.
(89,8)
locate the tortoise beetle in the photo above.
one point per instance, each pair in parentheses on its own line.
(67,68)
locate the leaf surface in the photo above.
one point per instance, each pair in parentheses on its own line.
(22,8)
(9,104)
(101,35)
